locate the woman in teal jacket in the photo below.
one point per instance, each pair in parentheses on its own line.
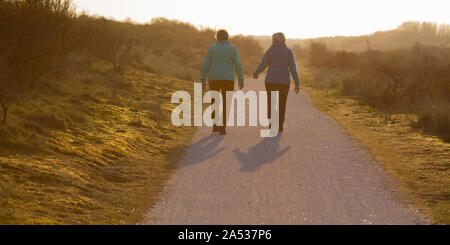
(219,66)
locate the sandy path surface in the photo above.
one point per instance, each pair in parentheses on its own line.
(313,173)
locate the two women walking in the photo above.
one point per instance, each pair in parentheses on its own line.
(222,61)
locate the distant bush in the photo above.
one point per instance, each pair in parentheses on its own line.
(104,39)
(249,51)
(426,28)
(434,116)
(392,81)
(318,54)
(34,41)
(161,46)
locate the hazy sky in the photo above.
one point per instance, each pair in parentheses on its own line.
(296,18)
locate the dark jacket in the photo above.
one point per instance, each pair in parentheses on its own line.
(281,62)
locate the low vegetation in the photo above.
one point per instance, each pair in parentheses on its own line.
(89,147)
(397,104)
(418,162)
(39,37)
(415,80)
(85,132)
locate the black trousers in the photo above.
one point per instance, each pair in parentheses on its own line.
(222,86)
(283,90)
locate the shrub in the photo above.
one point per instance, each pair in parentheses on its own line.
(34,41)
(434,117)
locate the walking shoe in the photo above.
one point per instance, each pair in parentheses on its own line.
(222,131)
(215,129)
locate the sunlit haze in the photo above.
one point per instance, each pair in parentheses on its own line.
(298,19)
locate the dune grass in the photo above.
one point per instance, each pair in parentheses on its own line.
(95,147)
(419,162)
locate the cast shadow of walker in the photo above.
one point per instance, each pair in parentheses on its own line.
(204,149)
(262,153)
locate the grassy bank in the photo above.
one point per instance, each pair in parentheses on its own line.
(418,161)
(89,146)
(85,131)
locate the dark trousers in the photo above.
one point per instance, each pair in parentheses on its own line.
(283,90)
(221,86)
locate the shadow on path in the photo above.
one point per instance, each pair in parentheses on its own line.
(204,149)
(264,152)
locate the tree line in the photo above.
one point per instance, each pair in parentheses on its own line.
(404,36)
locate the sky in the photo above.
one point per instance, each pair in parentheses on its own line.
(296,18)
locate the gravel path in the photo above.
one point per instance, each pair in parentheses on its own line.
(313,173)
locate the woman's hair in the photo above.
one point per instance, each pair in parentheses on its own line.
(222,35)
(278,38)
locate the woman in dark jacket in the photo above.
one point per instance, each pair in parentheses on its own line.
(280,60)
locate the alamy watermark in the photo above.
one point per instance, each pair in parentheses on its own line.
(257,109)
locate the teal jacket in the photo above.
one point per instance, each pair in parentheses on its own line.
(220,63)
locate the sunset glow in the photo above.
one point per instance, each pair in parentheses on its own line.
(300,19)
